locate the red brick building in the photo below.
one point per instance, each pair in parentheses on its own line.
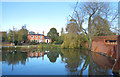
(39,38)
(105,44)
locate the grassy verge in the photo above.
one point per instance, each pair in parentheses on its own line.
(33,47)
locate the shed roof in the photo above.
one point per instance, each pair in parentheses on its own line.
(110,37)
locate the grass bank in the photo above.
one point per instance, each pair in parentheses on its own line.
(33,47)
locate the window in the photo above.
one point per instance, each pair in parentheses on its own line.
(36,54)
(40,40)
(36,36)
(35,40)
(40,54)
(31,54)
(40,36)
(31,36)
(31,40)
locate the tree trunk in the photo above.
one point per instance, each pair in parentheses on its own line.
(89,32)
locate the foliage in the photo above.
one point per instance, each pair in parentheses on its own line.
(53,34)
(4,36)
(19,36)
(73,38)
(101,27)
(97,15)
(10,36)
(53,55)
(22,35)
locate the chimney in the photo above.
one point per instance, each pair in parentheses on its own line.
(43,32)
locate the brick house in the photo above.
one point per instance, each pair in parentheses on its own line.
(39,38)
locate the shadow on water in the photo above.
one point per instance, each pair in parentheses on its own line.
(76,62)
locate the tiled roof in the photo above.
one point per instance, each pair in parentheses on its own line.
(46,37)
(110,37)
(35,34)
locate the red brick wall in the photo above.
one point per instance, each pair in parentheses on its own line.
(100,46)
(34,37)
(38,37)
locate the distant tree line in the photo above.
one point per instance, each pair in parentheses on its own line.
(16,36)
(20,36)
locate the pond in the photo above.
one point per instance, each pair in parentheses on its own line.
(55,62)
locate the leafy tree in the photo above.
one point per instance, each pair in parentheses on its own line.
(73,38)
(61,37)
(11,38)
(4,36)
(53,34)
(18,36)
(22,35)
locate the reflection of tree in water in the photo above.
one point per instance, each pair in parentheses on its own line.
(72,58)
(15,57)
(93,68)
(76,59)
(53,55)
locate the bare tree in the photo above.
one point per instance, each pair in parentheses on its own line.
(92,12)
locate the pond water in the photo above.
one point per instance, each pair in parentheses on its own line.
(55,62)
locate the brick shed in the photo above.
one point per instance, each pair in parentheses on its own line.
(105,44)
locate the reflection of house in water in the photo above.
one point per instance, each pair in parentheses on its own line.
(37,54)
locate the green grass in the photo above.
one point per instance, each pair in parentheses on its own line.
(34,47)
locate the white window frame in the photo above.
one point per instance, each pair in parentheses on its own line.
(40,40)
(31,54)
(31,36)
(32,40)
(36,54)
(40,36)
(36,36)
(36,40)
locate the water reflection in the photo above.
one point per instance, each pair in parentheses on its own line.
(76,62)
(79,62)
(14,58)
(53,55)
